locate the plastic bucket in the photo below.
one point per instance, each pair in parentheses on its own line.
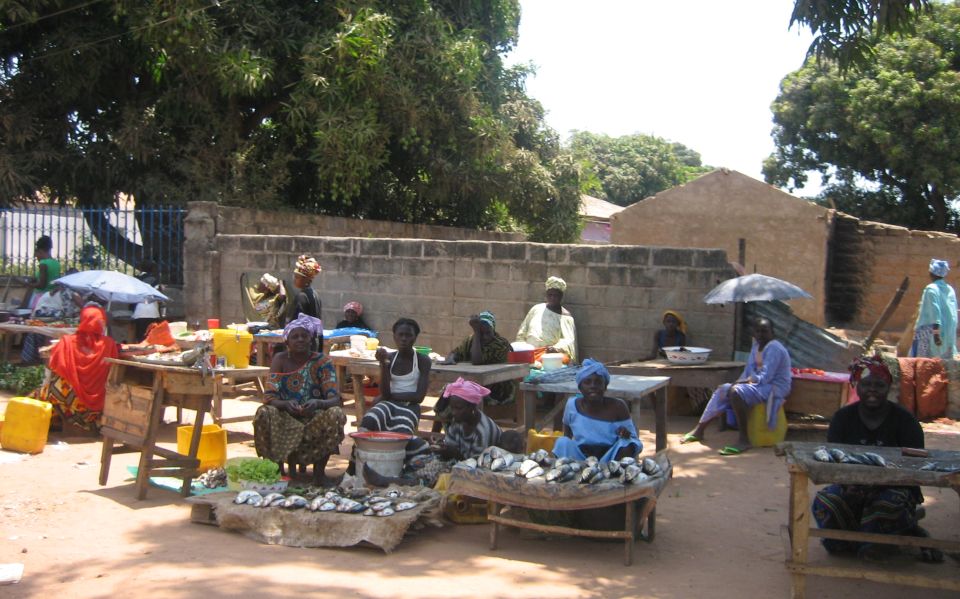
(212,451)
(384,462)
(234,346)
(26,424)
(178,327)
(358,342)
(541,440)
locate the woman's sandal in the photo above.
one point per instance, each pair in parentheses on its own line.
(729,450)
(690,438)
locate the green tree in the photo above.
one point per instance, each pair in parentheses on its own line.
(893,126)
(399,110)
(627,169)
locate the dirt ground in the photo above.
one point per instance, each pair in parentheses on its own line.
(718,534)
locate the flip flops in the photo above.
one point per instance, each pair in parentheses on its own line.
(689,438)
(729,450)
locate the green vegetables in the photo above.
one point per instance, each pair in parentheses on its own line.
(254,469)
(21,380)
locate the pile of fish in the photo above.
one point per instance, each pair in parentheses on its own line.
(387,504)
(213,478)
(544,465)
(940,467)
(838,456)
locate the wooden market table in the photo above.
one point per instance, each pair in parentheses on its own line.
(710,374)
(505,489)
(263,343)
(485,374)
(803,469)
(630,388)
(137,393)
(9,329)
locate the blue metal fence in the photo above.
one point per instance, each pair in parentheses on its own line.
(127,240)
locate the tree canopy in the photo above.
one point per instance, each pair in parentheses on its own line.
(624,170)
(888,135)
(400,110)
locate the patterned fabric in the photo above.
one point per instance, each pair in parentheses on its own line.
(80,358)
(546,328)
(488,318)
(59,393)
(939,268)
(270,282)
(494,352)
(881,510)
(938,310)
(396,417)
(312,325)
(355,306)
(485,434)
(874,366)
(316,379)
(307,266)
(468,391)
(589,431)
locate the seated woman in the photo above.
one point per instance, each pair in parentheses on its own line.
(77,381)
(353,317)
(673,334)
(404,377)
(872,421)
(484,346)
(594,425)
(301,420)
(470,431)
(549,324)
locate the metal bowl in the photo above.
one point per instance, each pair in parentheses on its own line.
(687,355)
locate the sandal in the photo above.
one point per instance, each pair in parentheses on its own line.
(729,450)
(690,438)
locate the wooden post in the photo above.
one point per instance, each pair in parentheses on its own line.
(628,526)
(493,509)
(799,530)
(887,312)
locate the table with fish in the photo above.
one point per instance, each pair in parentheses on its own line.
(539,481)
(823,464)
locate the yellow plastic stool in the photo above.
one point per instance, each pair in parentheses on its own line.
(757,431)
(26,424)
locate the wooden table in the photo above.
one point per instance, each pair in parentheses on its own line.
(710,374)
(9,329)
(503,489)
(629,388)
(803,469)
(262,344)
(485,374)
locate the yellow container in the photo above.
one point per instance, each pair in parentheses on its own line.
(212,451)
(460,508)
(757,431)
(26,424)
(233,345)
(541,440)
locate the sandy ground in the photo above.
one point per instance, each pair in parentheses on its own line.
(718,534)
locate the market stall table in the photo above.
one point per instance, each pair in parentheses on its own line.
(485,374)
(803,469)
(264,341)
(502,489)
(137,393)
(630,388)
(709,374)
(9,329)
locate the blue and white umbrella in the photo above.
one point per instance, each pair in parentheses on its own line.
(754,288)
(112,286)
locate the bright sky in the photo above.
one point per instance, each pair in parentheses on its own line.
(699,72)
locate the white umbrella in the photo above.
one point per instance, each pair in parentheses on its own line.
(112,286)
(754,288)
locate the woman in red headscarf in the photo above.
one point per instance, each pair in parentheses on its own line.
(77,379)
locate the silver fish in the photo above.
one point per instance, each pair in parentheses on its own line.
(350,506)
(295,501)
(822,455)
(269,498)
(526,466)
(576,466)
(540,455)
(470,463)
(630,473)
(587,474)
(369,512)
(380,506)
(387,512)
(535,472)
(502,463)
(876,458)
(650,466)
(376,499)
(627,461)
(591,461)
(614,468)
(548,462)
(394,493)
(404,506)
(327,506)
(275,502)
(243,496)
(836,454)
(255,501)
(557,472)
(562,461)
(316,502)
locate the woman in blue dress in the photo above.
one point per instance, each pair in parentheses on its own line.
(595,425)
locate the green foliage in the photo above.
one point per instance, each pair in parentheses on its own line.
(21,380)
(396,110)
(892,127)
(258,470)
(627,169)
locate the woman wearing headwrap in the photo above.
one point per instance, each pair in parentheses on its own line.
(673,333)
(875,422)
(301,421)
(470,430)
(935,334)
(594,424)
(265,301)
(353,316)
(549,324)
(77,381)
(303,298)
(485,346)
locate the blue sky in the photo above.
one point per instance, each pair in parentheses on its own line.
(699,72)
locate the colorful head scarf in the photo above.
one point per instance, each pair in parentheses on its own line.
(270,282)
(556,283)
(307,267)
(355,306)
(313,325)
(488,318)
(939,268)
(591,367)
(683,324)
(468,391)
(864,367)
(79,358)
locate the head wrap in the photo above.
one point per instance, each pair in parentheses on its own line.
(79,358)
(556,283)
(307,267)
(355,306)
(270,282)
(591,367)
(313,325)
(468,391)
(864,367)
(939,268)
(487,317)
(683,324)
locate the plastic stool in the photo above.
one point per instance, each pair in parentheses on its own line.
(757,431)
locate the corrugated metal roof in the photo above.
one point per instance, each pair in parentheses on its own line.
(809,345)
(597,208)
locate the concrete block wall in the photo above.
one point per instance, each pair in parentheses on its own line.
(616,293)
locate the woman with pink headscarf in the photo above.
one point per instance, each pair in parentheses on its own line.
(353,316)
(471,431)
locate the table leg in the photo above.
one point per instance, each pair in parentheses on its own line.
(106,453)
(799,530)
(146,453)
(194,444)
(529,409)
(359,399)
(217,411)
(493,508)
(628,526)
(660,411)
